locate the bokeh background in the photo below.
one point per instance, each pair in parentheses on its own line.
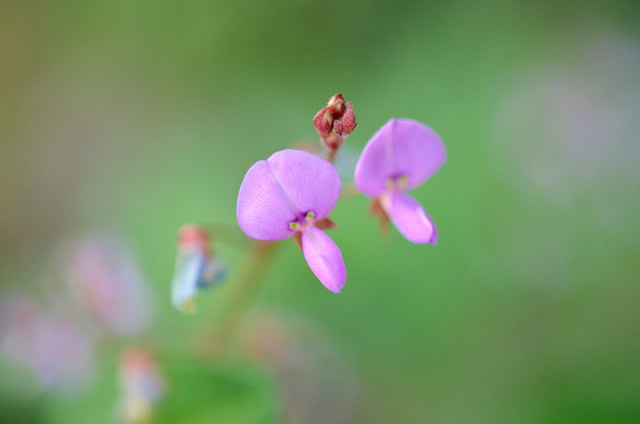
(130,118)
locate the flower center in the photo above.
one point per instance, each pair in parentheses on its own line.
(303,222)
(397,183)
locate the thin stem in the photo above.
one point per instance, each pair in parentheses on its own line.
(331,157)
(229,313)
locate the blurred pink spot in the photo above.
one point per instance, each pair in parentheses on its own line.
(105,279)
(55,350)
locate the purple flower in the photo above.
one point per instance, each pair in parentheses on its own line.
(291,194)
(401,156)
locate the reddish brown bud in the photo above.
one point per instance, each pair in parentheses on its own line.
(349,121)
(323,121)
(334,123)
(337,106)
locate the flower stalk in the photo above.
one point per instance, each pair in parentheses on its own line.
(221,323)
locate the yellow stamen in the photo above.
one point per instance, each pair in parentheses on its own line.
(189,306)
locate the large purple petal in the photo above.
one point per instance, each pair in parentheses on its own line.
(264,211)
(312,183)
(324,259)
(283,188)
(410,218)
(402,147)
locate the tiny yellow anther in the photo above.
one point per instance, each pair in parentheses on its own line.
(389,183)
(311,215)
(189,306)
(293,225)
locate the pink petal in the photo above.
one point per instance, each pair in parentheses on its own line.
(402,147)
(324,259)
(410,218)
(284,188)
(264,212)
(312,183)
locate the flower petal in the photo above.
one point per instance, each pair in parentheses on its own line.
(324,259)
(263,211)
(190,265)
(410,218)
(312,183)
(402,147)
(284,188)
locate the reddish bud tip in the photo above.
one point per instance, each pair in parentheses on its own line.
(136,361)
(349,121)
(193,235)
(323,121)
(337,106)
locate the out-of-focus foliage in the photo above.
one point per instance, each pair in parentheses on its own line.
(138,117)
(196,393)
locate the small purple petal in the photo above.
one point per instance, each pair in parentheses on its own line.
(324,259)
(410,218)
(283,188)
(402,147)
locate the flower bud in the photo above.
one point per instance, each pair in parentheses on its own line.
(334,123)
(349,121)
(337,106)
(323,121)
(197,267)
(142,385)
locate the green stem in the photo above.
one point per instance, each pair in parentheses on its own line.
(226,317)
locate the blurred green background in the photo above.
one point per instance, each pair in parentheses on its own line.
(139,116)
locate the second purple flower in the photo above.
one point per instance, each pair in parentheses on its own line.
(399,157)
(291,194)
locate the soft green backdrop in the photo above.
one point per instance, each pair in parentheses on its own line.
(139,116)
